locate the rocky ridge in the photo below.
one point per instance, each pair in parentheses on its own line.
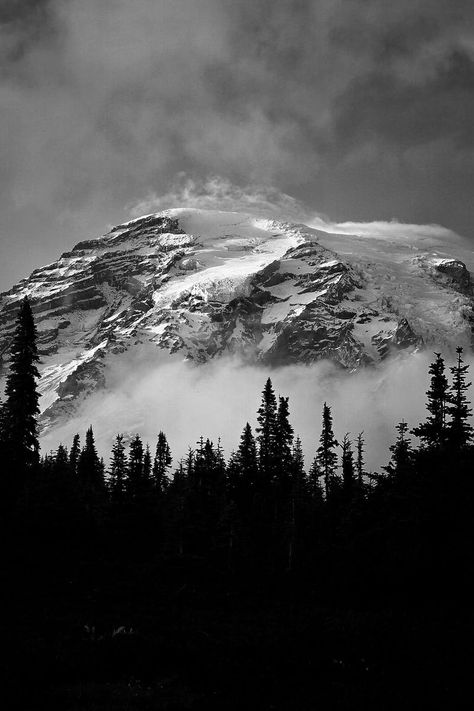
(205,283)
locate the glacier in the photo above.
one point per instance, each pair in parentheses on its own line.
(206,284)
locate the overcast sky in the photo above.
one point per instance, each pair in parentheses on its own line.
(362,109)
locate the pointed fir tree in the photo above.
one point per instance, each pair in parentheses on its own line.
(267,416)
(147,464)
(162,463)
(283,443)
(402,455)
(136,478)
(326,457)
(360,463)
(74,453)
(21,406)
(247,458)
(189,464)
(347,465)
(460,431)
(299,478)
(315,488)
(118,471)
(90,470)
(62,459)
(433,432)
(242,471)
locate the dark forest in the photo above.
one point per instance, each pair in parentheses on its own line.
(254,581)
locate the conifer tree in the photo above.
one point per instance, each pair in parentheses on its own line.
(460,431)
(118,471)
(326,458)
(347,465)
(432,432)
(189,464)
(283,441)
(360,463)
(162,462)
(298,458)
(136,475)
(62,459)
(147,464)
(402,455)
(21,406)
(247,457)
(299,478)
(90,470)
(242,470)
(74,453)
(267,417)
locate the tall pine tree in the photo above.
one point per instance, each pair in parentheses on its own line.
(283,442)
(347,465)
(266,434)
(161,463)
(136,472)
(118,471)
(20,428)
(90,470)
(433,431)
(74,453)
(402,455)
(460,431)
(326,457)
(360,463)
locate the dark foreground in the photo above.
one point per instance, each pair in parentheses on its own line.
(104,634)
(247,583)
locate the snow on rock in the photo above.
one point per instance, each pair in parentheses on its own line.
(209,283)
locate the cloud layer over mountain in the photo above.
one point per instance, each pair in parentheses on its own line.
(153,392)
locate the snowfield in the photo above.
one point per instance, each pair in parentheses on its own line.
(203,284)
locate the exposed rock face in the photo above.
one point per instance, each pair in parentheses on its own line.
(456,274)
(208,283)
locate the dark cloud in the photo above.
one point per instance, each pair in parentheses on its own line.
(361,108)
(383,107)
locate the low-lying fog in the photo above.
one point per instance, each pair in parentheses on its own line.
(151,391)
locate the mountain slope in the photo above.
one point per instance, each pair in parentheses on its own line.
(207,283)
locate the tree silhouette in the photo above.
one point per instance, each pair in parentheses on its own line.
(402,456)
(118,471)
(266,434)
(20,427)
(90,470)
(460,431)
(326,457)
(162,463)
(432,432)
(74,453)
(347,466)
(136,473)
(360,463)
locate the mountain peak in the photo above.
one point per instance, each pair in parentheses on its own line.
(208,283)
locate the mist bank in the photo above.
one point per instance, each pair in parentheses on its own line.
(154,392)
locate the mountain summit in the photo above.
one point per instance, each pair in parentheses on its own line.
(207,283)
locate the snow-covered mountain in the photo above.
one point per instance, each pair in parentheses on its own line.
(209,283)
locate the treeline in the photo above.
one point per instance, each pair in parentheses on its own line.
(260,510)
(251,581)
